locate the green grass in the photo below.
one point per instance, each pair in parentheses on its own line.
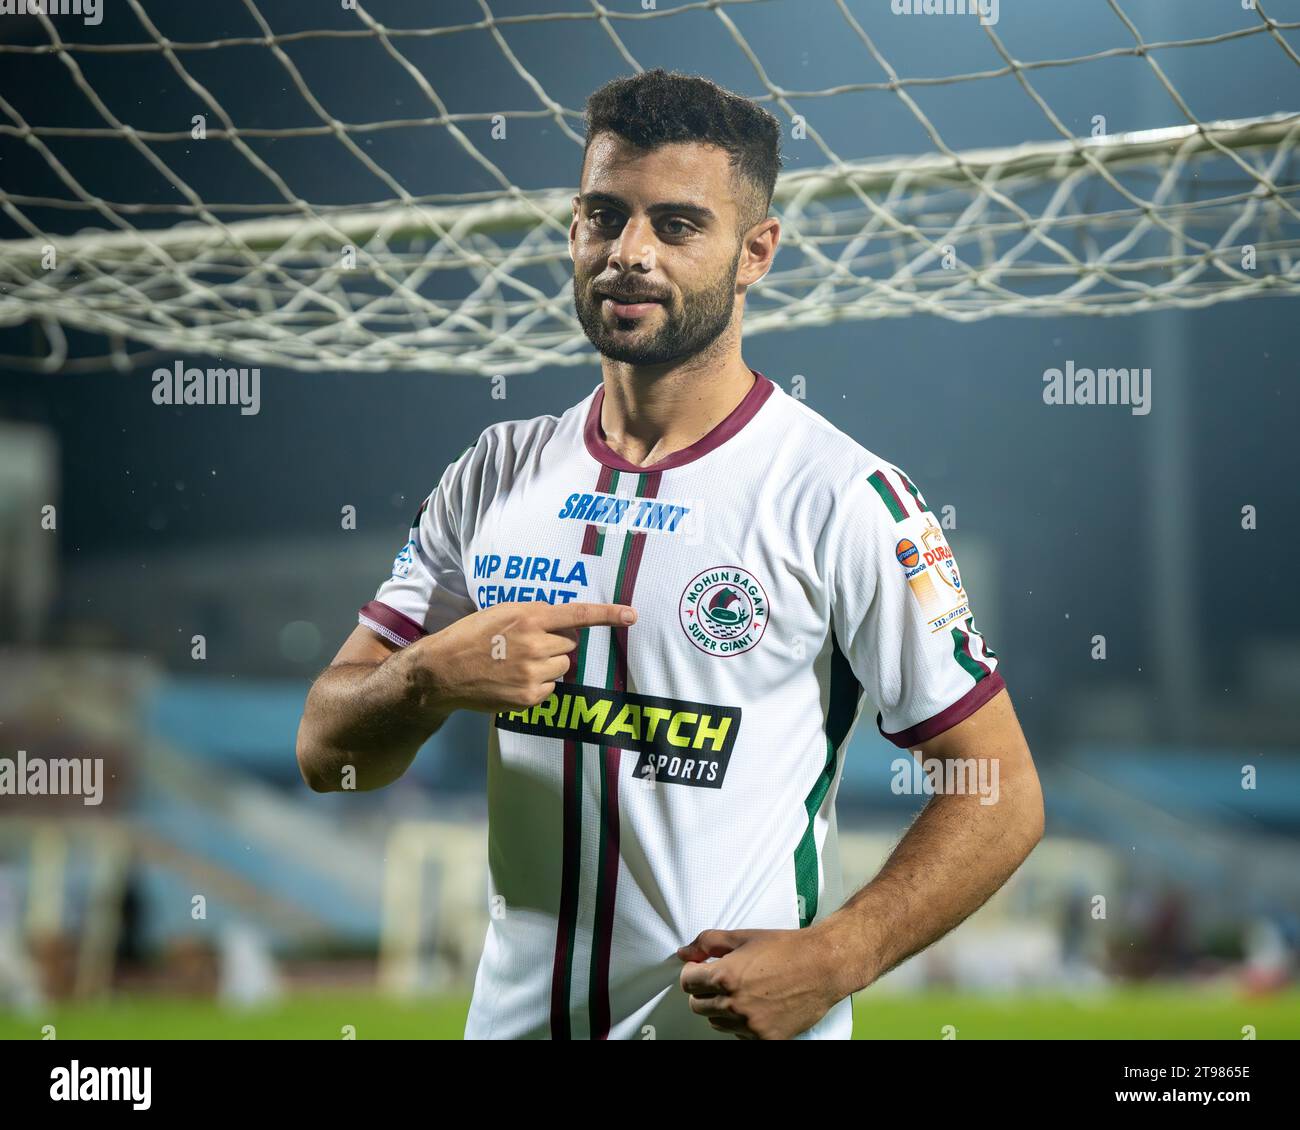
(1155,1014)
(1130,1014)
(320,1016)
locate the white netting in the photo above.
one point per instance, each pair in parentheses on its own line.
(1195,213)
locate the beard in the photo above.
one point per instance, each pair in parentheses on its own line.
(705,313)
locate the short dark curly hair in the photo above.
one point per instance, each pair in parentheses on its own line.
(657,107)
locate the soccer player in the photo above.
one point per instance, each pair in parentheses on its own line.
(675,598)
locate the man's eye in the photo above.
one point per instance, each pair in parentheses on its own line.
(603,218)
(677,227)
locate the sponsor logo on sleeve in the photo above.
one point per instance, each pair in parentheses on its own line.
(404,561)
(931,571)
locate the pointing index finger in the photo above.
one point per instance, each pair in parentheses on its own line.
(585,615)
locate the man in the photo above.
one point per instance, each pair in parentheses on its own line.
(675,598)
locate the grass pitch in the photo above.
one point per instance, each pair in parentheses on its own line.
(1141,1014)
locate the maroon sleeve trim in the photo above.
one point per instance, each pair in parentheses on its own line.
(390,623)
(964,707)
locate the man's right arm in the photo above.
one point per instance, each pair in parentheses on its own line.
(365,710)
(377,704)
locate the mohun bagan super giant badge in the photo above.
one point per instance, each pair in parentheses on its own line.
(724,610)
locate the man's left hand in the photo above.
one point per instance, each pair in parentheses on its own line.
(765,985)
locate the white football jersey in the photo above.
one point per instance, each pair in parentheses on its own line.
(683,776)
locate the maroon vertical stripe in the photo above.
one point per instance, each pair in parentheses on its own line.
(883,480)
(965,646)
(571,865)
(608,879)
(634,555)
(560,1028)
(911,488)
(607,888)
(571,860)
(590,536)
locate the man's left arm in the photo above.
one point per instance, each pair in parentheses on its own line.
(902,616)
(773,984)
(960,850)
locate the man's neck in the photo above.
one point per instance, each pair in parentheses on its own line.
(650,412)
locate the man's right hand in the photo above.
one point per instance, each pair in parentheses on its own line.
(506,657)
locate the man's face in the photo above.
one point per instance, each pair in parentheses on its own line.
(654,249)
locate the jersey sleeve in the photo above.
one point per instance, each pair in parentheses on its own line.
(900,610)
(426,591)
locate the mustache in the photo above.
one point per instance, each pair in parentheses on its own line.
(627,294)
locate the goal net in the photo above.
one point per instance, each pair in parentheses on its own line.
(427,268)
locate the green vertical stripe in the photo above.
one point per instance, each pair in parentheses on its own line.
(962,655)
(580,668)
(605,783)
(580,665)
(842,705)
(576,814)
(970,623)
(916,494)
(618,590)
(805,853)
(618,599)
(886,492)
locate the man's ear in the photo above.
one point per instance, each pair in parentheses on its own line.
(768,230)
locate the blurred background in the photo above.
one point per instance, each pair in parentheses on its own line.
(173,576)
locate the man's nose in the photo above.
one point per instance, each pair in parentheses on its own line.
(635,247)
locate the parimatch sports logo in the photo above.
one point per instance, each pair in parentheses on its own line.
(680,742)
(724,610)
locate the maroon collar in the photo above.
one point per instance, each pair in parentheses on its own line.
(594,435)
